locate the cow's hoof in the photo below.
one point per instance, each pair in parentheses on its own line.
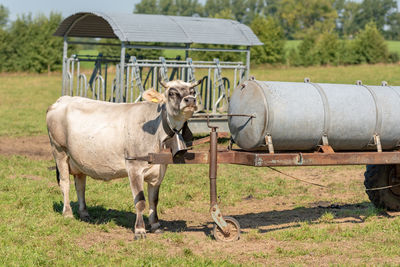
(67,213)
(157,231)
(156,228)
(140,234)
(84,217)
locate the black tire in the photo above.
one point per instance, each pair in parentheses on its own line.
(380,176)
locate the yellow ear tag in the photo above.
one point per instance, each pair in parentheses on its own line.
(155,100)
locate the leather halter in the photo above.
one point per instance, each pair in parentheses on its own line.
(186,132)
(165,123)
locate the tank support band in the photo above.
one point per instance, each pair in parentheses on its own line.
(396,92)
(378,123)
(270,145)
(325,103)
(377,142)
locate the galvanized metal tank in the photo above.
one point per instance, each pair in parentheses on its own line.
(298,115)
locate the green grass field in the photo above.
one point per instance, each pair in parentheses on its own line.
(291,44)
(394,46)
(284,222)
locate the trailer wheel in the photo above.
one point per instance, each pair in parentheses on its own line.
(232,235)
(380,176)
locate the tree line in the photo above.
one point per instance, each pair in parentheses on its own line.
(27,43)
(333,32)
(296,17)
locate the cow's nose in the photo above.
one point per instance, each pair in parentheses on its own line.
(190,101)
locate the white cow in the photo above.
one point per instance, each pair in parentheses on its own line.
(95,138)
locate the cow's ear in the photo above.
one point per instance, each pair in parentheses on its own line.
(194,84)
(152,95)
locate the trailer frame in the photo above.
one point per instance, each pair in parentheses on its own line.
(227,228)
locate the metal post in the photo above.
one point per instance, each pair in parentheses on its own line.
(64,69)
(187,51)
(213,167)
(214,209)
(120,90)
(78,66)
(248,63)
(71,81)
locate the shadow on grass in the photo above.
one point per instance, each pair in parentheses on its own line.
(101,215)
(346,213)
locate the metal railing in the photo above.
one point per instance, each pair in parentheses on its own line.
(139,75)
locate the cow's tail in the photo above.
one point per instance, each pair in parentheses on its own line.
(58,175)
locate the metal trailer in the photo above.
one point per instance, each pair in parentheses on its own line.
(383,171)
(380,103)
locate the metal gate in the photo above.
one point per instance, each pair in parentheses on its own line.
(219,78)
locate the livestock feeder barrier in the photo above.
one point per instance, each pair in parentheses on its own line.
(304,124)
(141,74)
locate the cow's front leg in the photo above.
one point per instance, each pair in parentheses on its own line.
(136,182)
(153,201)
(154,177)
(80,184)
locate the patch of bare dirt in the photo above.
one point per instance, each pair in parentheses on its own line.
(34,147)
(91,239)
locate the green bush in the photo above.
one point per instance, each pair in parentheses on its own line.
(271,34)
(293,57)
(326,49)
(5,50)
(29,45)
(370,46)
(345,55)
(306,52)
(393,57)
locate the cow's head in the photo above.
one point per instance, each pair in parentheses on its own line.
(179,98)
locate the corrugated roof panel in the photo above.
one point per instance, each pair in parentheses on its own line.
(157,28)
(91,26)
(212,31)
(150,28)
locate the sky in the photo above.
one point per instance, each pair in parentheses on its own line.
(68,7)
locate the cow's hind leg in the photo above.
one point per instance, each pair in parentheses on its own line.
(153,201)
(63,172)
(136,182)
(80,184)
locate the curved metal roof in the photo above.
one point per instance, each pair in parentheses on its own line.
(157,28)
